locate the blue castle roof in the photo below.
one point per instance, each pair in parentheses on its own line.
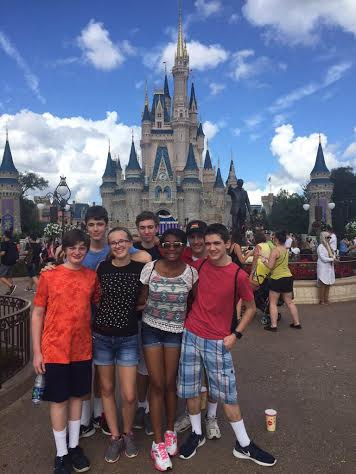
(110,169)
(146,114)
(320,166)
(166,88)
(191,164)
(193,99)
(200,131)
(207,163)
(162,154)
(7,165)
(158,97)
(133,163)
(218,181)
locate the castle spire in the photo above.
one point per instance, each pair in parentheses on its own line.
(320,165)
(218,181)
(180,41)
(193,101)
(7,164)
(146,94)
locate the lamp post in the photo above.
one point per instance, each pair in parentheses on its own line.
(60,198)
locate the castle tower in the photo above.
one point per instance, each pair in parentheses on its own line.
(107,189)
(146,126)
(133,187)
(208,173)
(320,190)
(167,96)
(231,179)
(192,187)
(219,194)
(10,192)
(180,115)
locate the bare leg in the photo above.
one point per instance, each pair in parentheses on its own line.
(326,294)
(107,386)
(59,415)
(287,297)
(171,361)
(232,412)
(6,282)
(273,311)
(142,387)
(127,377)
(193,405)
(155,365)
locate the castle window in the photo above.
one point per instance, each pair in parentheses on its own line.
(159,115)
(158,192)
(167,193)
(181,114)
(159,124)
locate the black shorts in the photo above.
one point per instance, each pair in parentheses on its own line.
(282,285)
(33,270)
(63,381)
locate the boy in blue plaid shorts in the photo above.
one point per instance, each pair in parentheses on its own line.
(208,338)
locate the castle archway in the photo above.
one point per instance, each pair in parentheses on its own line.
(166,220)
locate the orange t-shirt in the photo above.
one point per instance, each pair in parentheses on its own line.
(67,295)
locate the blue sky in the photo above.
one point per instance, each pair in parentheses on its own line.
(270,75)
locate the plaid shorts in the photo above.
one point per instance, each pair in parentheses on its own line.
(197,352)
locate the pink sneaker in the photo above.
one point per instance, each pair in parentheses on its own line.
(160,457)
(170,440)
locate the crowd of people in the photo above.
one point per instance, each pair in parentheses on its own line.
(156,315)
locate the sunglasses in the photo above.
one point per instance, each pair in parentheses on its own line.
(328,238)
(172,245)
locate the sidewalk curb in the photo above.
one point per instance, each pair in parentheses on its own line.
(16,387)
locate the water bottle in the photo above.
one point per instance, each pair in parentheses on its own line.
(38,389)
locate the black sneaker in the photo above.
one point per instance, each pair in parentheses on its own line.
(190,445)
(139,422)
(62,465)
(87,431)
(105,427)
(11,290)
(254,453)
(96,421)
(270,328)
(78,459)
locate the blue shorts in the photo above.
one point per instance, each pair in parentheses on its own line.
(211,354)
(115,350)
(156,337)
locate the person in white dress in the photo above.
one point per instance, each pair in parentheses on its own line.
(325,267)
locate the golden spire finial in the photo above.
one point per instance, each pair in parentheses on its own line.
(146,94)
(207,143)
(109,145)
(7,132)
(180,42)
(319,138)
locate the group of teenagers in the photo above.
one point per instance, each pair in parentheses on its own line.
(156,316)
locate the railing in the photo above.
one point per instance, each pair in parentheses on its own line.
(306,269)
(15,348)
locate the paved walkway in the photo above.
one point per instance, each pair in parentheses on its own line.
(308,376)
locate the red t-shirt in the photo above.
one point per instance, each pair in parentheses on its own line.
(66,294)
(213,308)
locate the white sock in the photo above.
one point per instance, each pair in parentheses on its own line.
(98,407)
(142,404)
(73,430)
(240,433)
(85,418)
(212,407)
(195,421)
(60,438)
(147,410)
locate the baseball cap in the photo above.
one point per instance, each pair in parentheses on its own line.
(196,226)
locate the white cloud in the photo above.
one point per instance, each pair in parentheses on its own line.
(253,121)
(30,78)
(216,88)
(350,151)
(201,56)
(297,155)
(99,50)
(211,129)
(234,18)
(73,146)
(332,75)
(236,132)
(300,21)
(245,65)
(207,8)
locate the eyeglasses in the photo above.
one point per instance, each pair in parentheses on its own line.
(119,243)
(172,245)
(328,238)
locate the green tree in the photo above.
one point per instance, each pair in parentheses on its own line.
(344,197)
(30,181)
(288,213)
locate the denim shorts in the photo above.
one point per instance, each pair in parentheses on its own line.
(115,350)
(156,337)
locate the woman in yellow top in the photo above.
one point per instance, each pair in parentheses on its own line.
(259,271)
(281,282)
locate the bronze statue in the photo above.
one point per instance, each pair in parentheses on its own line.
(239,203)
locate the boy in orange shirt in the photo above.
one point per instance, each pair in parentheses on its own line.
(62,346)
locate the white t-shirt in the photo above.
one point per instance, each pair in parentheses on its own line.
(288,243)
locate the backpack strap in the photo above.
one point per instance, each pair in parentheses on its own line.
(202,263)
(153,267)
(234,312)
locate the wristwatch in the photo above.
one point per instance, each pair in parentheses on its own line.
(237,334)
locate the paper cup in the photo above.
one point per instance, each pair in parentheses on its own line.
(271,419)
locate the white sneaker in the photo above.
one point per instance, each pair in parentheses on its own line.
(182,424)
(160,457)
(170,440)
(212,428)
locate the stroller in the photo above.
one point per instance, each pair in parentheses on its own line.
(262,302)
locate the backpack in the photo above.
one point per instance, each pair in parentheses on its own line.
(29,257)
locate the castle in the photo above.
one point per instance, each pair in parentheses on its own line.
(174,179)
